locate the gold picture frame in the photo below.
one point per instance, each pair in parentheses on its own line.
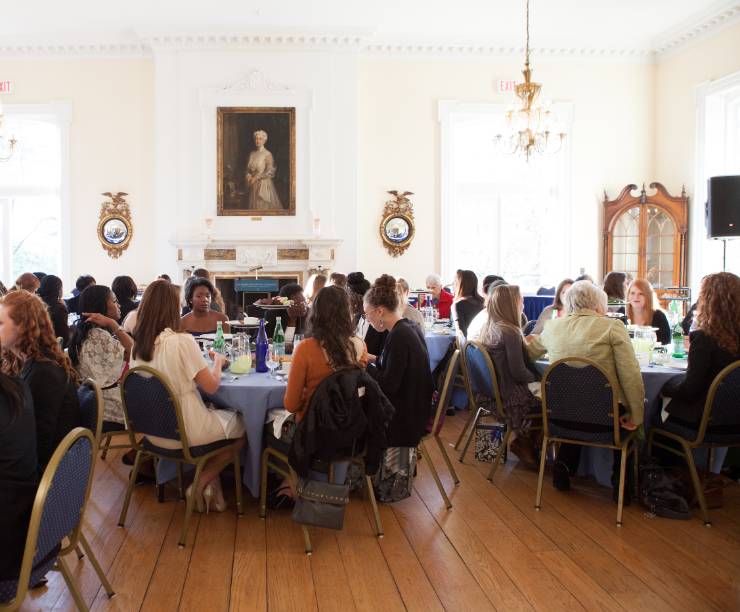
(255,161)
(115,228)
(397,227)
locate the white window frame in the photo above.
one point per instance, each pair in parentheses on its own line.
(446,109)
(722,98)
(59,113)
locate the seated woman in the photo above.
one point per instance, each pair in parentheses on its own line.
(714,346)
(100,347)
(28,282)
(30,351)
(408,311)
(556,309)
(50,291)
(641,310)
(403,373)
(615,287)
(316,283)
(19,476)
(178,358)
(298,311)
(441,298)
(467,302)
(201,319)
(331,346)
(503,338)
(125,290)
(587,332)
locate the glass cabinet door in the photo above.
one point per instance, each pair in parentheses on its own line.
(626,242)
(659,248)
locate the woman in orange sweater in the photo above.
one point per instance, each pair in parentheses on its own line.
(331,347)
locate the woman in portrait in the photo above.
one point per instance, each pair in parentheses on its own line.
(260,172)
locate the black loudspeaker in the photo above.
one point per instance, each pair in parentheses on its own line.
(723,207)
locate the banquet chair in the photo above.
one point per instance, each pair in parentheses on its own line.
(464,378)
(54,528)
(90,397)
(443,401)
(578,392)
(720,412)
(152,409)
(277,461)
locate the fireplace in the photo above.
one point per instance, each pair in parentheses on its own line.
(240,291)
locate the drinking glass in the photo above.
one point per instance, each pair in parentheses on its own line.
(297,339)
(273,361)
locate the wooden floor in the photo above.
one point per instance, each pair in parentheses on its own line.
(492,551)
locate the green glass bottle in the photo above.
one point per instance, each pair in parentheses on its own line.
(278,338)
(677,338)
(219,344)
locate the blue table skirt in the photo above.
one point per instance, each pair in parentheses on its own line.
(535,304)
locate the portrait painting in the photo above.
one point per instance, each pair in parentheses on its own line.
(256,161)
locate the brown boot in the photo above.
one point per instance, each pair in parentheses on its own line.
(524,449)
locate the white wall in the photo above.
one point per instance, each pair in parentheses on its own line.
(612,143)
(111,149)
(678,78)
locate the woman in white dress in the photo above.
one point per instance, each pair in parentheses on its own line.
(178,358)
(260,172)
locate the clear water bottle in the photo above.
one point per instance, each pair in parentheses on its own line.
(263,346)
(278,338)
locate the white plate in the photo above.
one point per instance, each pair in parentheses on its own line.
(442,332)
(248,321)
(271,306)
(213,336)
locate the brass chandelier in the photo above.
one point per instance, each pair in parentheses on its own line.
(530,127)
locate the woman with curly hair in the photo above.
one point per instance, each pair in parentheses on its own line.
(202,319)
(714,346)
(29,350)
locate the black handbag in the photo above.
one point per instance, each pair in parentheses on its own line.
(321,504)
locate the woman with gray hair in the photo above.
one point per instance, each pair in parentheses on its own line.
(587,332)
(441,298)
(259,175)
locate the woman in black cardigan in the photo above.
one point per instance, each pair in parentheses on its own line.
(714,346)
(468,302)
(402,370)
(19,477)
(30,351)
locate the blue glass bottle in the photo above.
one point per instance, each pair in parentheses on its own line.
(262,348)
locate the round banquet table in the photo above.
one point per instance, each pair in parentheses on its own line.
(251,395)
(535,304)
(597,462)
(437,346)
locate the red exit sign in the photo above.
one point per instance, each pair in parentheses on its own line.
(6,87)
(506,86)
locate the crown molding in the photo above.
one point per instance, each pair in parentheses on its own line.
(718,17)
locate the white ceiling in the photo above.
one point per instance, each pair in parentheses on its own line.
(641,25)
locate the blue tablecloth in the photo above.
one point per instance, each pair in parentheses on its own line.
(597,462)
(252,395)
(535,304)
(437,346)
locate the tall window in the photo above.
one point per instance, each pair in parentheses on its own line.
(500,214)
(718,154)
(31,193)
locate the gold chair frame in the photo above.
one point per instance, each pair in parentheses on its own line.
(484,412)
(281,465)
(199,462)
(448,382)
(687,446)
(461,342)
(74,539)
(622,445)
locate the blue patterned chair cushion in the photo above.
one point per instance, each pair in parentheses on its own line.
(689,434)
(176,453)
(88,407)
(149,407)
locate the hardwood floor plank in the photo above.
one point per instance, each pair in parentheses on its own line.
(416,590)
(453,581)
(370,581)
(289,580)
(165,588)
(249,576)
(208,581)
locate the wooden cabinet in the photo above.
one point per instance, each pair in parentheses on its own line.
(647,235)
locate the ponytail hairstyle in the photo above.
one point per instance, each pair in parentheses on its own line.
(94,299)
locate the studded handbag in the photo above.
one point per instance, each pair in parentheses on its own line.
(320,503)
